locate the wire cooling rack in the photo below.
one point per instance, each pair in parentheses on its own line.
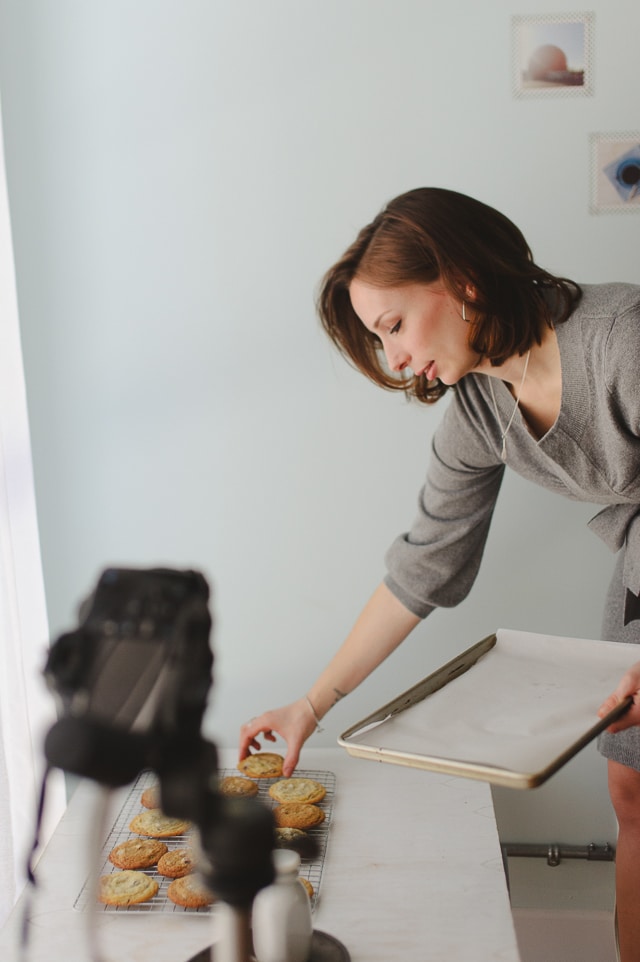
(132,806)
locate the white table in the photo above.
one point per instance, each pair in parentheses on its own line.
(413,872)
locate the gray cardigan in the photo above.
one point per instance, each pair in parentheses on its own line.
(592,454)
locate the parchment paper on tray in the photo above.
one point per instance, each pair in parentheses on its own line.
(511,710)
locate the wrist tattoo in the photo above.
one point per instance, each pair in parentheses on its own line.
(339,694)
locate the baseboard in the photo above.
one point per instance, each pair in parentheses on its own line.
(574,935)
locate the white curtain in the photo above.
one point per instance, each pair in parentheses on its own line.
(26,708)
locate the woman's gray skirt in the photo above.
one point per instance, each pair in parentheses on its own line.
(623,747)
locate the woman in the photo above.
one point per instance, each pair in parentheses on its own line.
(441,291)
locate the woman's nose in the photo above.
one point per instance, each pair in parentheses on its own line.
(398,359)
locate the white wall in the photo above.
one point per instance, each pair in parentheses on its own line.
(181,174)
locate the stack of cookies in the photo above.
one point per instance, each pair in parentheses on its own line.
(296,810)
(158,853)
(132,884)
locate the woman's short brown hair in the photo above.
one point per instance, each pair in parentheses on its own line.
(428,234)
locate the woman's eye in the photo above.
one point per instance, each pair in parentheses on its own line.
(395,328)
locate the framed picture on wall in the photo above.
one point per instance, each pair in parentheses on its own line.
(615,173)
(552,55)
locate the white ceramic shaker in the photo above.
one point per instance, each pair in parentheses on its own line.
(281,916)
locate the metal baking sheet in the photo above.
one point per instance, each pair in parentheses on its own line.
(311,869)
(510,710)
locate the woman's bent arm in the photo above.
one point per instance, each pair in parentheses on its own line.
(381,626)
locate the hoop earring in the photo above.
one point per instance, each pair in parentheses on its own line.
(464,311)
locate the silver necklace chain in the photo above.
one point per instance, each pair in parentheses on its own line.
(505,431)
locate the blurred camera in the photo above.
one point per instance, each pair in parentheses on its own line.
(132,680)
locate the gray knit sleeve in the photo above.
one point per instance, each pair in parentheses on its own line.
(435,563)
(622,363)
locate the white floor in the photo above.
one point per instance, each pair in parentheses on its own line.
(563,913)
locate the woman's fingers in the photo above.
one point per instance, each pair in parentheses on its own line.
(293,724)
(248,733)
(290,763)
(629,687)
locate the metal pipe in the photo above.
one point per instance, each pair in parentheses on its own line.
(554,853)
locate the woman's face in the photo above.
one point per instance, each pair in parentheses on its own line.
(420,327)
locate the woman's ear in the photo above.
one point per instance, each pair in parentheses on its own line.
(470,292)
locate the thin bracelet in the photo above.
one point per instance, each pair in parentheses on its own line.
(319,727)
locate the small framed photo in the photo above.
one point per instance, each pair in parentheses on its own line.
(615,173)
(553,55)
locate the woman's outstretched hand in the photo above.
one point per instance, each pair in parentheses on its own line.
(629,685)
(294,723)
